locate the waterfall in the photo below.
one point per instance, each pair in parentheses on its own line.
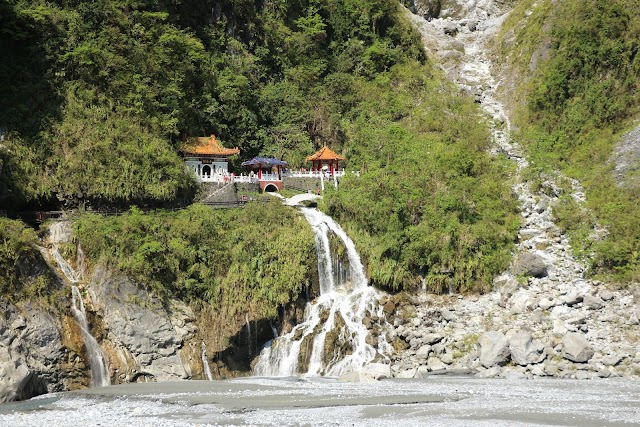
(67,270)
(205,364)
(332,339)
(249,341)
(99,374)
(80,262)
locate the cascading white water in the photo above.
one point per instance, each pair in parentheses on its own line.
(67,270)
(99,373)
(205,364)
(345,301)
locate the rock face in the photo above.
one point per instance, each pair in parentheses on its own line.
(429,9)
(576,348)
(494,349)
(144,342)
(31,351)
(626,159)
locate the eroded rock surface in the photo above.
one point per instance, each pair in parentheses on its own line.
(144,340)
(626,159)
(31,351)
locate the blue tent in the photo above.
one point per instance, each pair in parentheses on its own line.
(264,162)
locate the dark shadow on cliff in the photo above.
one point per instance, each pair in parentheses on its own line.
(29,99)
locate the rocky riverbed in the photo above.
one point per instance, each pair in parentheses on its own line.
(321,402)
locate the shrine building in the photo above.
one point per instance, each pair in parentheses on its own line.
(268,172)
(207,158)
(325,160)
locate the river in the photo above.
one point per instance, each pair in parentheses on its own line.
(435,401)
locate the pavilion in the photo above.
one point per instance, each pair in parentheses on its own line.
(207,158)
(325,158)
(268,179)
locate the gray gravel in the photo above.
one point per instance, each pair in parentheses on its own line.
(457,401)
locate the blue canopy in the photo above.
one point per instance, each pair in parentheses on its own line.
(264,162)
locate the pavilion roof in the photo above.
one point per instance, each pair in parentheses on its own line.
(325,153)
(264,162)
(207,145)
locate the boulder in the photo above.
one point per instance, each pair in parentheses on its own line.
(489,373)
(612,360)
(435,364)
(525,351)
(408,373)
(606,295)
(450,29)
(572,298)
(432,338)
(541,206)
(592,302)
(415,343)
(448,315)
(447,358)
(377,371)
(530,264)
(429,9)
(389,307)
(20,384)
(354,377)
(423,352)
(547,303)
(522,302)
(494,349)
(507,285)
(575,348)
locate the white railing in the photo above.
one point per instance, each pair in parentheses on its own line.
(245,178)
(270,177)
(214,178)
(312,174)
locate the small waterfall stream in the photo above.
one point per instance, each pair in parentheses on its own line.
(99,373)
(332,339)
(64,266)
(205,363)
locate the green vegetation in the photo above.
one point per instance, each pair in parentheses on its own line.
(100,94)
(579,102)
(247,260)
(430,200)
(20,277)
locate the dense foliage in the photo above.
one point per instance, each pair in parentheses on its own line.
(100,93)
(430,201)
(247,260)
(579,102)
(19,276)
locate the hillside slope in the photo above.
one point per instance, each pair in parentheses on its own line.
(573,67)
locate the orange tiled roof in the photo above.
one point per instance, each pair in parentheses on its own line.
(207,145)
(325,153)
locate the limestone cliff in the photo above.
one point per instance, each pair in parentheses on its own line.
(144,338)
